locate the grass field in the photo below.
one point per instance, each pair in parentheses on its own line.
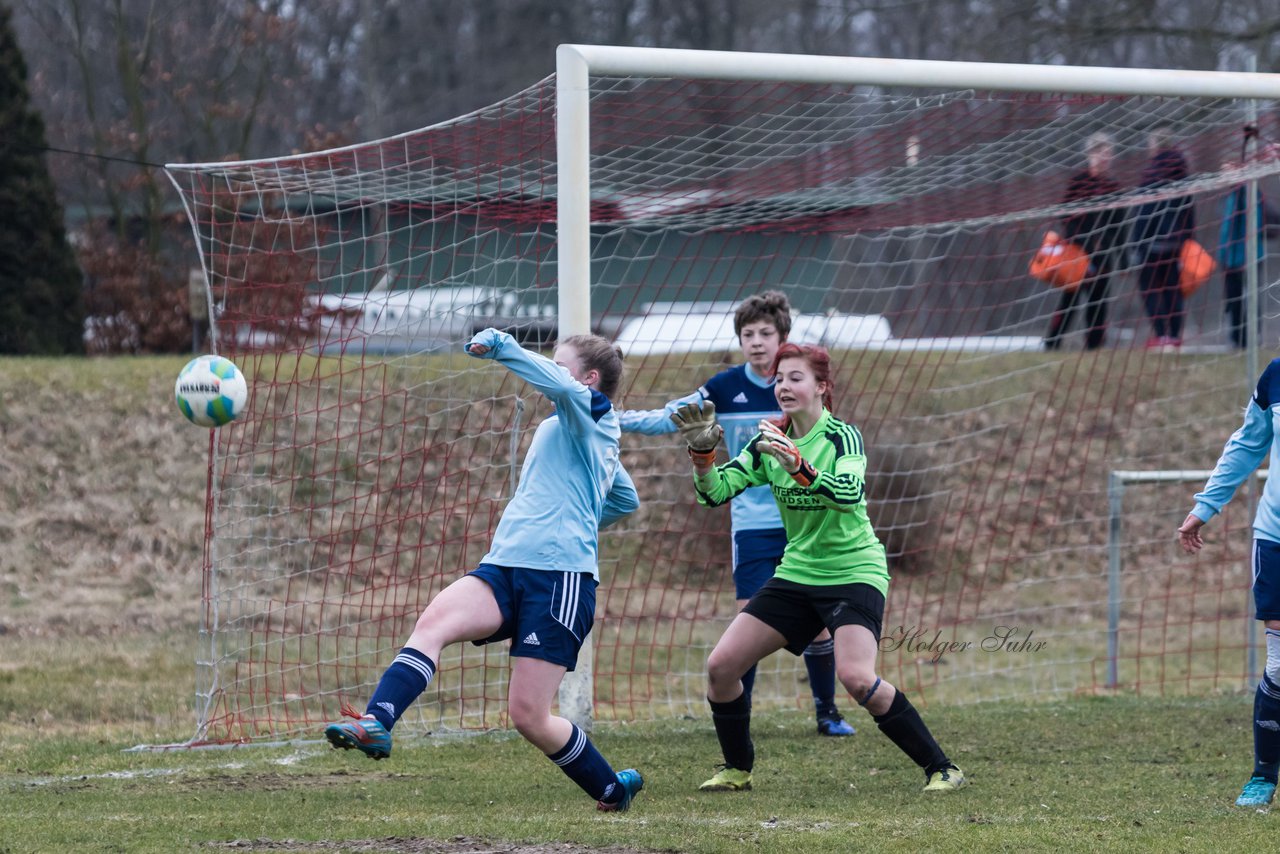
(1090,773)
(101,520)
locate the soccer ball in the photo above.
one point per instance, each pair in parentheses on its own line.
(211,391)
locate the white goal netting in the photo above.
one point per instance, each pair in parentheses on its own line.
(375,459)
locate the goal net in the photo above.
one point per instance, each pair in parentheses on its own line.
(375,458)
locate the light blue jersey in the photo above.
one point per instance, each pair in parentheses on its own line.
(741,400)
(572,483)
(1244,452)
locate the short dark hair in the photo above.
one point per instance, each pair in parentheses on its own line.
(599,354)
(772,306)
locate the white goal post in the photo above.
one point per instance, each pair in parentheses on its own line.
(576,64)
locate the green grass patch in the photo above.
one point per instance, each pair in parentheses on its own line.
(1116,773)
(137,688)
(99,567)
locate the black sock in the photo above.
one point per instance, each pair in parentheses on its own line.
(733,728)
(749,682)
(904,727)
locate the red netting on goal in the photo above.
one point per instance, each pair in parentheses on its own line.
(375,459)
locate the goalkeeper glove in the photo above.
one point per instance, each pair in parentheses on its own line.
(778,445)
(701,432)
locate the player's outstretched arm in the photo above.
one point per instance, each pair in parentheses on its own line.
(486,343)
(655,422)
(546,376)
(1242,454)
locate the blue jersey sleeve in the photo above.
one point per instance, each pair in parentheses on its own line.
(655,422)
(576,405)
(621,500)
(1244,451)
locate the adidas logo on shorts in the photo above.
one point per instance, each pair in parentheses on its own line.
(531,639)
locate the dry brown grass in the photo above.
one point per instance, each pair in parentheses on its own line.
(988,483)
(102,491)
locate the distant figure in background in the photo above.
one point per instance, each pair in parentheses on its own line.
(1232,240)
(1159,230)
(1098,233)
(1243,453)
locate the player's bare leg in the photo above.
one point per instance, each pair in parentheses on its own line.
(856,651)
(465,610)
(745,642)
(533,688)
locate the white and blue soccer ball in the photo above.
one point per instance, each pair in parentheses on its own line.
(211,391)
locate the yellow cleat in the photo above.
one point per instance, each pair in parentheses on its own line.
(946,780)
(728,780)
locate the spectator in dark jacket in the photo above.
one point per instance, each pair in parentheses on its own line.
(1098,233)
(1160,228)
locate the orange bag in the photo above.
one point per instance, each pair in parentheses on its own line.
(1196,266)
(1059,263)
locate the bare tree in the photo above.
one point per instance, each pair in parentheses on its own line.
(132,83)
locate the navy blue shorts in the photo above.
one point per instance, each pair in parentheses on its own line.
(756,555)
(1266,579)
(545,614)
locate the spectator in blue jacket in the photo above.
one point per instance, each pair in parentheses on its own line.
(1232,242)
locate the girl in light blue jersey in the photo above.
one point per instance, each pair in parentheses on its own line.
(1257,438)
(536,586)
(743,395)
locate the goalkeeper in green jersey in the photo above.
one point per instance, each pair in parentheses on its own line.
(833,573)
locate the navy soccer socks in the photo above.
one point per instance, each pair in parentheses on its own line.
(403,682)
(1266,724)
(583,764)
(820,661)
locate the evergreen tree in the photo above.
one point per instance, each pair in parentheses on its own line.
(41,307)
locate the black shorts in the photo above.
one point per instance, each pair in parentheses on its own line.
(800,611)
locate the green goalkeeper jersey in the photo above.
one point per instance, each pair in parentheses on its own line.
(829,537)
